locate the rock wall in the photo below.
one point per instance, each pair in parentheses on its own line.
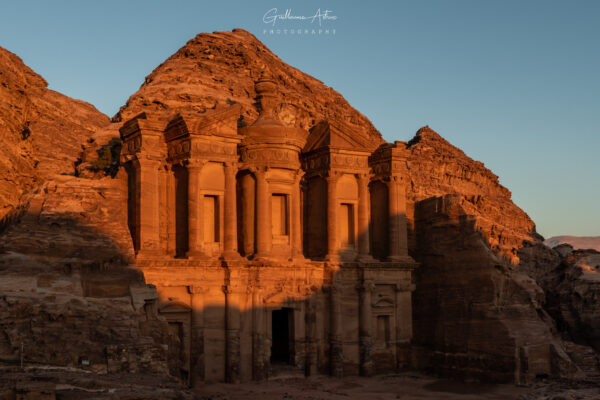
(41,131)
(69,296)
(478,313)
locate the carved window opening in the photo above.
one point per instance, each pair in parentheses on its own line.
(246,213)
(181,210)
(379,220)
(346,224)
(383,330)
(315,218)
(212,226)
(280,220)
(133,204)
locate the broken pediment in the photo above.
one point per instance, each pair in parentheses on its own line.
(324,134)
(218,122)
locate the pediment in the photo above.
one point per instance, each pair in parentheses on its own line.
(324,134)
(221,121)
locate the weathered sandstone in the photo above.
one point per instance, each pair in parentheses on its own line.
(41,131)
(479,310)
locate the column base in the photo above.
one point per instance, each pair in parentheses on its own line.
(298,257)
(231,256)
(366,258)
(333,257)
(151,253)
(262,257)
(196,255)
(408,259)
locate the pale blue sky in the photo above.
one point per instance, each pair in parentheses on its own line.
(515,84)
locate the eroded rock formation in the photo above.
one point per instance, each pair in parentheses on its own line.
(41,131)
(479,308)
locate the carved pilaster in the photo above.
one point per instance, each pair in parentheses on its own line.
(297,217)
(230,215)
(364,199)
(260,359)
(365,329)
(332,217)
(311,335)
(149,207)
(264,234)
(403,302)
(232,334)
(336,353)
(197,294)
(195,211)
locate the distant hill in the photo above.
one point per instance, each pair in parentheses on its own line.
(578,242)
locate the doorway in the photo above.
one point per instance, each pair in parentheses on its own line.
(282,332)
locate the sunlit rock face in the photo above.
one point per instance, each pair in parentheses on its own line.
(41,131)
(276,227)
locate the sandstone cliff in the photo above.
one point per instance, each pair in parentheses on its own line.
(478,312)
(41,131)
(69,297)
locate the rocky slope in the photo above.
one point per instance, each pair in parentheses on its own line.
(578,242)
(477,311)
(41,131)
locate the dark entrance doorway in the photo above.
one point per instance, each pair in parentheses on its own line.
(282,332)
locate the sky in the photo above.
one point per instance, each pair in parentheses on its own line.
(514,84)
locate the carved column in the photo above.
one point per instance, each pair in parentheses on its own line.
(260,365)
(195,211)
(232,360)
(149,207)
(230,239)
(197,334)
(394,220)
(402,225)
(297,217)
(365,340)
(363,216)
(332,217)
(264,234)
(336,355)
(163,190)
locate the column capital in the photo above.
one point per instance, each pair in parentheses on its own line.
(332,176)
(195,289)
(234,289)
(364,176)
(366,286)
(258,170)
(146,161)
(195,164)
